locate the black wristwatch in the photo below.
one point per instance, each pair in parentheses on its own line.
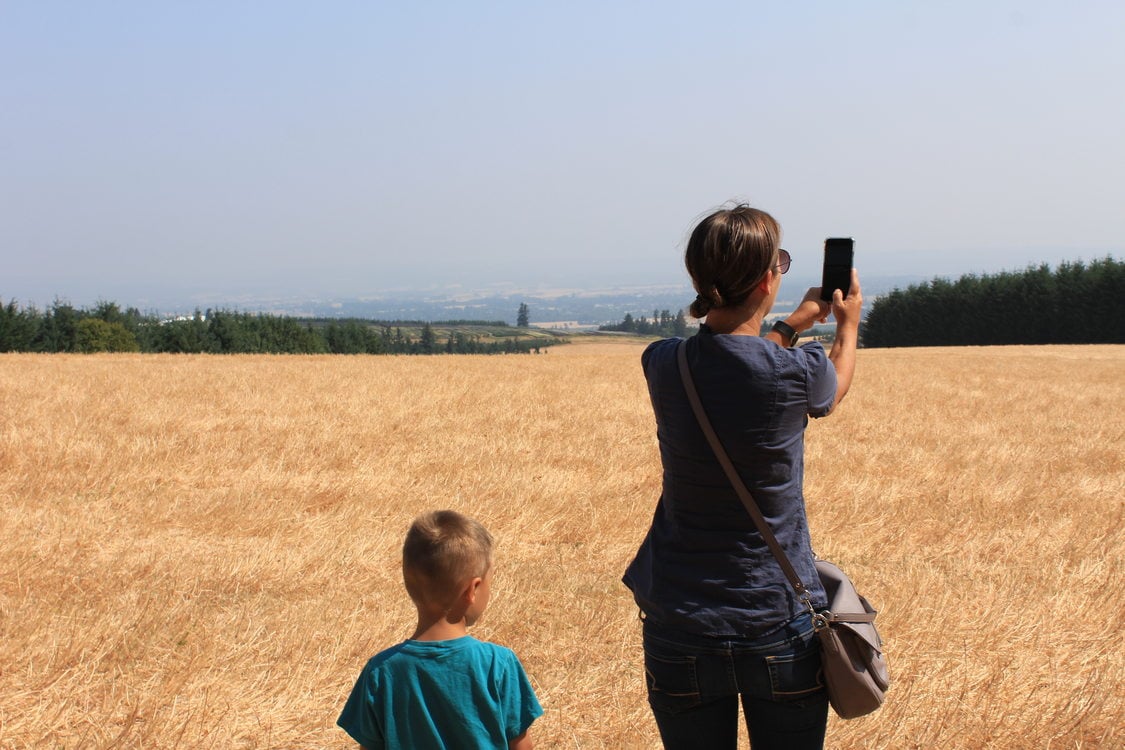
(788,332)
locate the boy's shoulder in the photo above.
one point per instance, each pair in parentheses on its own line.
(386,655)
(405,664)
(458,648)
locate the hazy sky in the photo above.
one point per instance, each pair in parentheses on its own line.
(155,148)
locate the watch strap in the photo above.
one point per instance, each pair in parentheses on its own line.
(788,332)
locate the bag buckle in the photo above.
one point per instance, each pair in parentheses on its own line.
(820,620)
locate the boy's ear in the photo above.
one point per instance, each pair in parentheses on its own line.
(470,593)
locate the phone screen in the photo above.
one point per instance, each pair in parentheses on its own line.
(838,256)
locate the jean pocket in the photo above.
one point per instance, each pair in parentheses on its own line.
(671,681)
(796,675)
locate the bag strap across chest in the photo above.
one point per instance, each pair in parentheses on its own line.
(736,481)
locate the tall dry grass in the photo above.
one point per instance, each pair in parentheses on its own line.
(202,551)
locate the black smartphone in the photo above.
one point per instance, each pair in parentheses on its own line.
(838,256)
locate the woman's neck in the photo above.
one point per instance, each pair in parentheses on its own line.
(737,321)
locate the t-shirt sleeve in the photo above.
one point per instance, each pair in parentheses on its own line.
(358,716)
(520,705)
(820,379)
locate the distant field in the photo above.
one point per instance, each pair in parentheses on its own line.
(202,551)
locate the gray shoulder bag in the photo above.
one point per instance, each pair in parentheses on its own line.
(855,669)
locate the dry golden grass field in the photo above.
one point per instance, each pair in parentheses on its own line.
(202,551)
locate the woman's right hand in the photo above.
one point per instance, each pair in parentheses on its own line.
(848,310)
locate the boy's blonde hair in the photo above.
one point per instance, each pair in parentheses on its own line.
(443,550)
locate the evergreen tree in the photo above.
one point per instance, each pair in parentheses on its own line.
(522,319)
(428,343)
(57,329)
(350,337)
(181,336)
(17,327)
(679,325)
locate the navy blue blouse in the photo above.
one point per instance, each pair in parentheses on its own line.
(703,568)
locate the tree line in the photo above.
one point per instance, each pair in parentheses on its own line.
(1074,304)
(107,328)
(663,324)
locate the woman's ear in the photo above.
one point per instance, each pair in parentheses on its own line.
(766,284)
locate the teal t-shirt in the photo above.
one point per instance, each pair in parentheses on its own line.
(459,694)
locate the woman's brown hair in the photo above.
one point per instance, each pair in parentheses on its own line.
(727,255)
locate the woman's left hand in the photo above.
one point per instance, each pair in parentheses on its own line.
(811,310)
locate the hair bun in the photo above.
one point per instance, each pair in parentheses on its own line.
(700,307)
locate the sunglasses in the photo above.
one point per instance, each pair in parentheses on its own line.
(783,260)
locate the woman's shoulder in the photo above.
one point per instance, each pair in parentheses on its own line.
(669,343)
(659,350)
(750,350)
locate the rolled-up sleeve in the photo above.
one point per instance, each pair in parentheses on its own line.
(820,379)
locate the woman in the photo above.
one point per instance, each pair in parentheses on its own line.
(720,620)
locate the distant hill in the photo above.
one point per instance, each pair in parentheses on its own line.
(583,307)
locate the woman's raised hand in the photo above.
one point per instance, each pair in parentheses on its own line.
(812,308)
(847,310)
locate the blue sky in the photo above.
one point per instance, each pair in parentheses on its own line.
(155,149)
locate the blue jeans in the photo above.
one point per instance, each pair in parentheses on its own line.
(695,683)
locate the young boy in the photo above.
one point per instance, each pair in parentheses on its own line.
(443,688)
